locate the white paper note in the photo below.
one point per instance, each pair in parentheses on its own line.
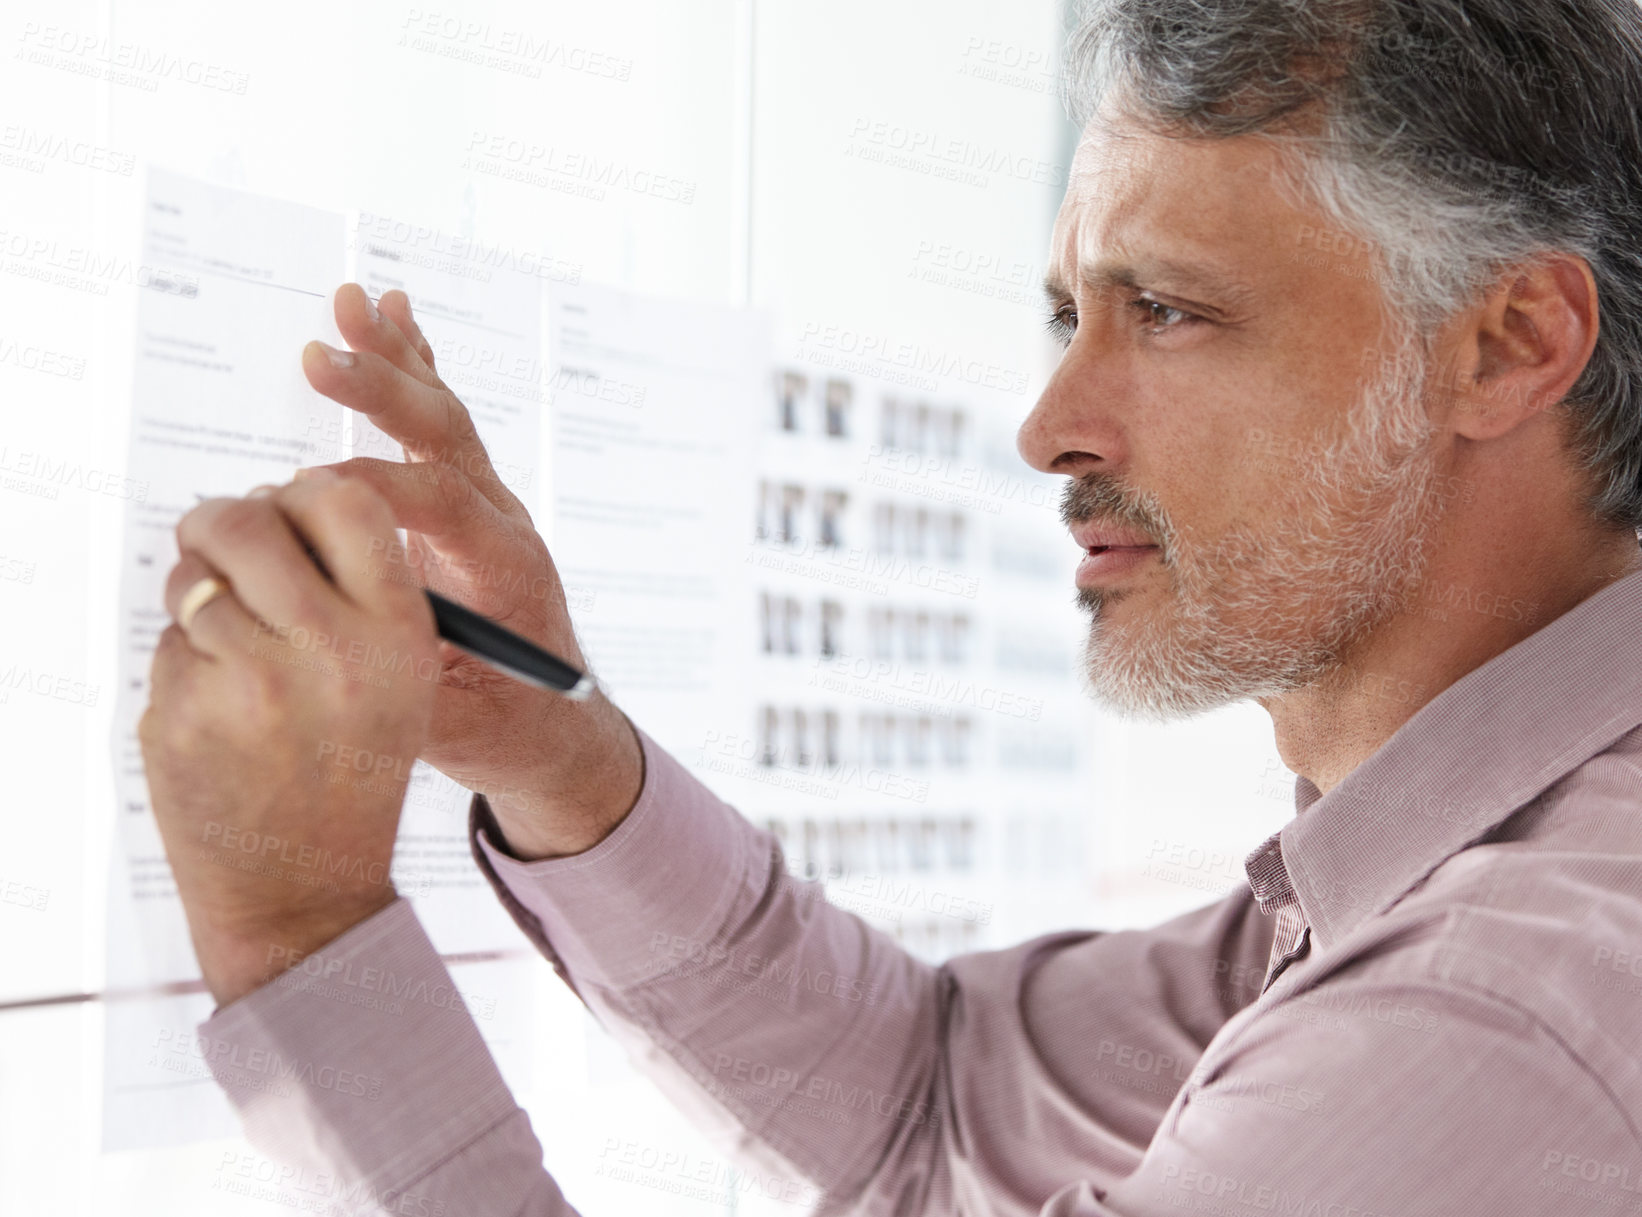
(653,408)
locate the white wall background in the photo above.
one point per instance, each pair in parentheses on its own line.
(766,107)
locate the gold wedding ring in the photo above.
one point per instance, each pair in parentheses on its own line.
(197,597)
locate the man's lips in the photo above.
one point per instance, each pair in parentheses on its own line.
(1109,551)
(1092,537)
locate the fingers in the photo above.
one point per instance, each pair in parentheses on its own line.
(349,524)
(395,306)
(218,626)
(259,555)
(387,378)
(414,413)
(432,425)
(436,500)
(366,328)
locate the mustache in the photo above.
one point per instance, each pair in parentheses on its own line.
(1100,496)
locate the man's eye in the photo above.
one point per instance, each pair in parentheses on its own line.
(1161,316)
(1063,323)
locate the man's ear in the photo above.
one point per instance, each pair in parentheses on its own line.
(1524,346)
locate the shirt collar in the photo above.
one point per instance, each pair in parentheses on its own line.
(1482,748)
(1268,876)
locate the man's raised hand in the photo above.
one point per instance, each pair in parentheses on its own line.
(559,775)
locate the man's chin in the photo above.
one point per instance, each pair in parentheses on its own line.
(1155,675)
(1153,701)
(1121,672)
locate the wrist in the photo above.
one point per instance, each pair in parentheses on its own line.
(236,960)
(585,779)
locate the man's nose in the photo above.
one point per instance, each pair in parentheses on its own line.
(1072,428)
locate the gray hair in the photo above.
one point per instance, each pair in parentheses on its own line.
(1457,138)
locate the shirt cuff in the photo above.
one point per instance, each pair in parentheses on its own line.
(651,894)
(361,1060)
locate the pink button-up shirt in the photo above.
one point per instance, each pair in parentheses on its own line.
(1428,1001)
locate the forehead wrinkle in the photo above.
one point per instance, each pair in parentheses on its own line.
(1140,270)
(1102,213)
(1156,271)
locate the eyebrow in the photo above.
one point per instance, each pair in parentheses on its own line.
(1160,273)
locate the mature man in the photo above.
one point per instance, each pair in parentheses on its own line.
(1351,412)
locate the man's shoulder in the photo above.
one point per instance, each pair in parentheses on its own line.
(1534,921)
(1563,870)
(1543,915)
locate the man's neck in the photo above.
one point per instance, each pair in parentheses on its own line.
(1475,602)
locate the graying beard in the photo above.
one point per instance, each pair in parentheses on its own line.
(1197,665)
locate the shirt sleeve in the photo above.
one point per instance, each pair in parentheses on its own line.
(1374,1098)
(362,1070)
(812,1047)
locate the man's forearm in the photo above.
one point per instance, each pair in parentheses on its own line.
(750,998)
